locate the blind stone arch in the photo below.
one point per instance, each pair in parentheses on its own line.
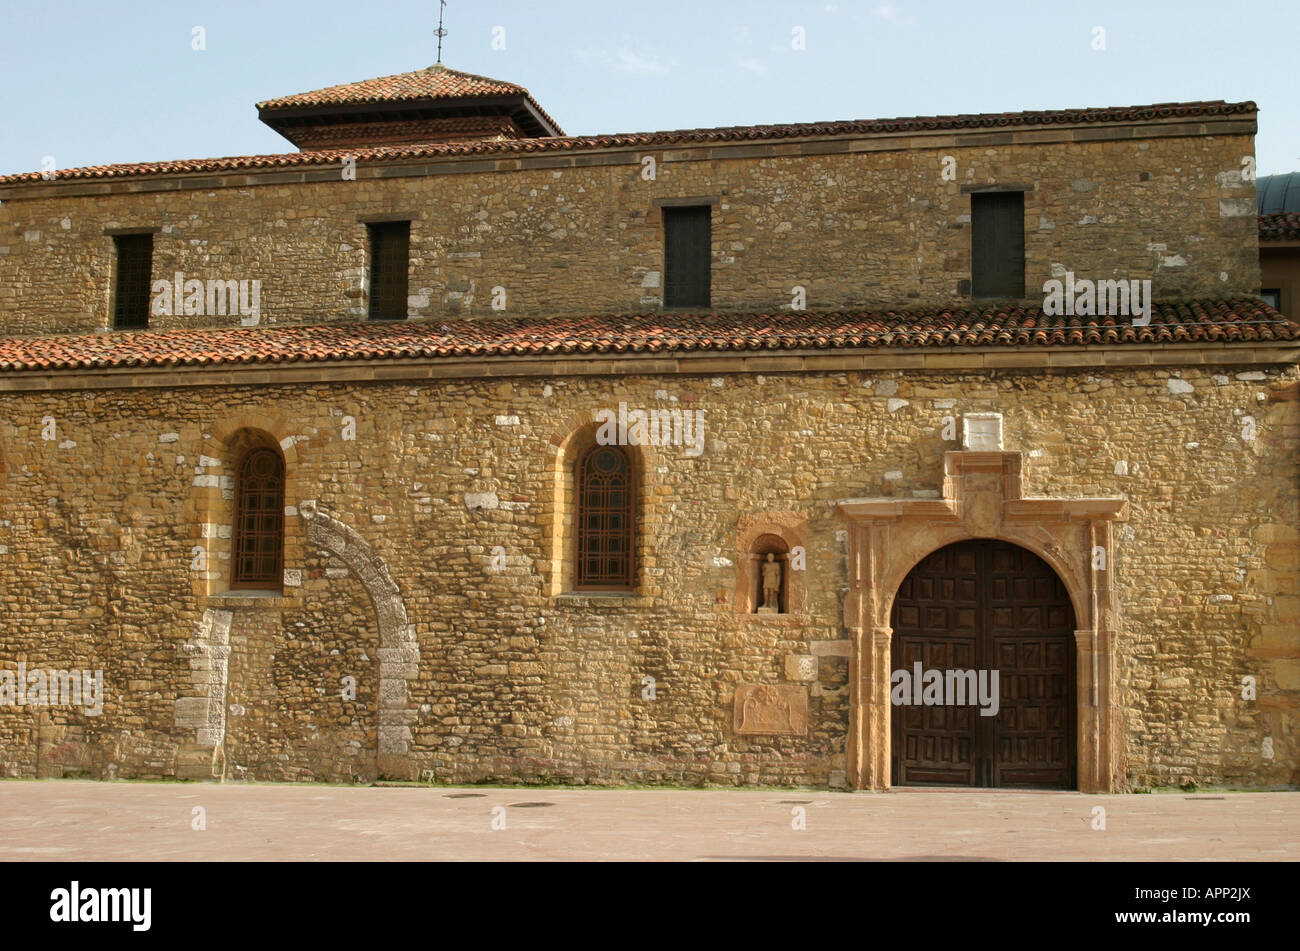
(399,649)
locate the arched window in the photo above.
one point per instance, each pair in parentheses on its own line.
(605,526)
(258,560)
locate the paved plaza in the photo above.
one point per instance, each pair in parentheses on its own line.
(124,821)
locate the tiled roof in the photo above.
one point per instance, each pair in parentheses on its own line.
(1240,320)
(1284,226)
(371,134)
(991,122)
(436,82)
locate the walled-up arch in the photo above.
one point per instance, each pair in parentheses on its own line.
(982,498)
(399,649)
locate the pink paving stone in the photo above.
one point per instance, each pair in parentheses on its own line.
(81,821)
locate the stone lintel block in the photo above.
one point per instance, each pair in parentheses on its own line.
(392,655)
(1014,359)
(394,739)
(800,667)
(396,766)
(195,770)
(191,712)
(401,671)
(982,432)
(839,648)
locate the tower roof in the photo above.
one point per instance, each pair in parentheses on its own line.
(437,104)
(1278,193)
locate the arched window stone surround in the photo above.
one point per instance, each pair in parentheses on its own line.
(211,504)
(982,498)
(574,436)
(792,530)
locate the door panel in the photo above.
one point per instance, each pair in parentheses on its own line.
(986,605)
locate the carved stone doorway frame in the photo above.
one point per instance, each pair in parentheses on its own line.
(982,499)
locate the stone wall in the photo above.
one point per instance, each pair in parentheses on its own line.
(502,679)
(858,224)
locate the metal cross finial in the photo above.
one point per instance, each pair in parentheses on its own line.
(440,32)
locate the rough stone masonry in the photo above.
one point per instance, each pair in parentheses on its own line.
(428,626)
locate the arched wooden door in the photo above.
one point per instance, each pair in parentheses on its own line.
(985,605)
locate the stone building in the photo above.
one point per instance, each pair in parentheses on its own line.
(1279,240)
(451,447)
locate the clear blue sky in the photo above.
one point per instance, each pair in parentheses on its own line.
(94,83)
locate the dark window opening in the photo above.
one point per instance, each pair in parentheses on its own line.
(390,258)
(998,245)
(131,291)
(688,237)
(605,523)
(1272,296)
(258,560)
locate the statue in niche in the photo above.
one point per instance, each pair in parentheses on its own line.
(770,572)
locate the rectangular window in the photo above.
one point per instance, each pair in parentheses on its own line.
(997,237)
(131,290)
(688,236)
(1272,296)
(390,260)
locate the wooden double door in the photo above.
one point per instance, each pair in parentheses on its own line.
(986,605)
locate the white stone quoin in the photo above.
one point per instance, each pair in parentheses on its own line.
(981,432)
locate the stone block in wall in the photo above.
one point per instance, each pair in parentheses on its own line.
(802,667)
(774,709)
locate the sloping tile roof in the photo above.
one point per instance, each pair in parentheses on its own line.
(989,121)
(1240,320)
(436,82)
(371,134)
(1284,226)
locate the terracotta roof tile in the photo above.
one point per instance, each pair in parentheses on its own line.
(1240,320)
(435,82)
(1185,110)
(1284,226)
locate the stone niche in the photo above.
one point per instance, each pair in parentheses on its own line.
(782,535)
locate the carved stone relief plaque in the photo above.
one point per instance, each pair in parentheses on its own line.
(771,709)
